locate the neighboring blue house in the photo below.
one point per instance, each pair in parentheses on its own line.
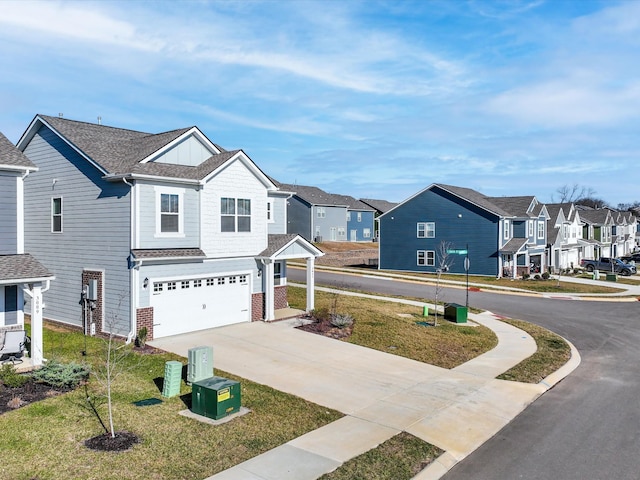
(381,207)
(325,217)
(502,235)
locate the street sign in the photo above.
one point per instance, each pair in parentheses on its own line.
(457,252)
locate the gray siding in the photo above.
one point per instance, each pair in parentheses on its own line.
(298,218)
(8,215)
(279,214)
(96,229)
(190,208)
(335,217)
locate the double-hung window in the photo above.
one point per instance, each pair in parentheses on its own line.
(540,230)
(169,211)
(321,212)
(507,230)
(56,215)
(235,214)
(359,216)
(426,258)
(426,229)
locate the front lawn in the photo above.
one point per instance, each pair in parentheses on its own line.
(45,440)
(396,328)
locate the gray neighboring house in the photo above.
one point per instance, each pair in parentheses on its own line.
(21,275)
(175,233)
(327,217)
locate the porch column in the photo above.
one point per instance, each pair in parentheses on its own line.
(269,295)
(310,283)
(37,347)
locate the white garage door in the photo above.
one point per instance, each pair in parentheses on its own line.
(181,306)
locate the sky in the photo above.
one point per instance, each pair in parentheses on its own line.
(373,99)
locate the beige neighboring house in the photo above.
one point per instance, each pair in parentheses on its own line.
(21,275)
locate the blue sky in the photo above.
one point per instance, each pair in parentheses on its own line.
(372,99)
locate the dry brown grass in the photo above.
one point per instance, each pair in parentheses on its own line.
(330,247)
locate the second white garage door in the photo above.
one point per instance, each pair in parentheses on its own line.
(181,306)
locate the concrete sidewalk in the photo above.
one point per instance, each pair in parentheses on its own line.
(381,394)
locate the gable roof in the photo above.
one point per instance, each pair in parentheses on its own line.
(119,152)
(13,159)
(600,216)
(351,203)
(313,195)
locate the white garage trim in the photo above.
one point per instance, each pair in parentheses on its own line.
(189,303)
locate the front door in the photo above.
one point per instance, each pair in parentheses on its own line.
(334,235)
(354,235)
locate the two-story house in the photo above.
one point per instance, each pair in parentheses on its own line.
(565,244)
(597,229)
(21,275)
(166,231)
(500,236)
(325,217)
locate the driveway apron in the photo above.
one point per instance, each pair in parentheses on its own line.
(381,394)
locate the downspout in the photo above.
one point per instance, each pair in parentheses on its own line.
(132,275)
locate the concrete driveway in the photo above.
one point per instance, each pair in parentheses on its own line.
(381,394)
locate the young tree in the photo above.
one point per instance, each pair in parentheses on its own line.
(443,264)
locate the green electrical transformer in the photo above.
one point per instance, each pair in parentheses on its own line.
(215,397)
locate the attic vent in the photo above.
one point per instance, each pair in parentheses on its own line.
(99,120)
(60,115)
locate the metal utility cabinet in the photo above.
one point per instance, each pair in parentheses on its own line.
(200,364)
(455,313)
(215,397)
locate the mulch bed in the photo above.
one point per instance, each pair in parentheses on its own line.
(324,327)
(12,398)
(121,441)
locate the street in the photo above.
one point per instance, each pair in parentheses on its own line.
(588,426)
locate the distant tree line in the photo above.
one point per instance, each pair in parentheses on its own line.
(581,195)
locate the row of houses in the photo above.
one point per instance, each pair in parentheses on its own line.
(173,233)
(498,236)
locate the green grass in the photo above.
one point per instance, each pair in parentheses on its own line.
(391,327)
(45,440)
(399,458)
(553,352)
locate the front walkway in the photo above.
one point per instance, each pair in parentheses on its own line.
(380,394)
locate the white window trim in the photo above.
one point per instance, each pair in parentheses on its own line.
(427,233)
(540,230)
(426,263)
(321,212)
(531,229)
(366,233)
(506,229)
(270,218)
(61,214)
(181,210)
(359,216)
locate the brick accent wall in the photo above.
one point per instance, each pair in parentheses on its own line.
(257,306)
(280,297)
(144,318)
(97,313)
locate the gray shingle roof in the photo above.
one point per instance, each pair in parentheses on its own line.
(278,241)
(382,206)
(596,217)
(476,198)
(514,245)
(167,253)
(21,267)
(119,151)
(11,156)
(311,195)
(516,206)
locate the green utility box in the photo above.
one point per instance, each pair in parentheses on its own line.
(215,397)
(612,277)
(172,378)
(455,313)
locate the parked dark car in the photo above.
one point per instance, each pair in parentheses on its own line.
(607,264)
(632,256)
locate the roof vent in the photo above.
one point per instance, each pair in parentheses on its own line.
(60,115)
(99,120)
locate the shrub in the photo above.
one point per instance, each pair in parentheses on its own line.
(320,314)
(141,339)
(341,320)
(537,277)
(525,276)
(61,375)
(546,275)
(10,378)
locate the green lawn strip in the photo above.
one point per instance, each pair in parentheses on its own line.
(553,352)
(45,439)
(393,328)
(399,458)
(541,286)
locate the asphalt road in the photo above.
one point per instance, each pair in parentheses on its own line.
(588,426)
